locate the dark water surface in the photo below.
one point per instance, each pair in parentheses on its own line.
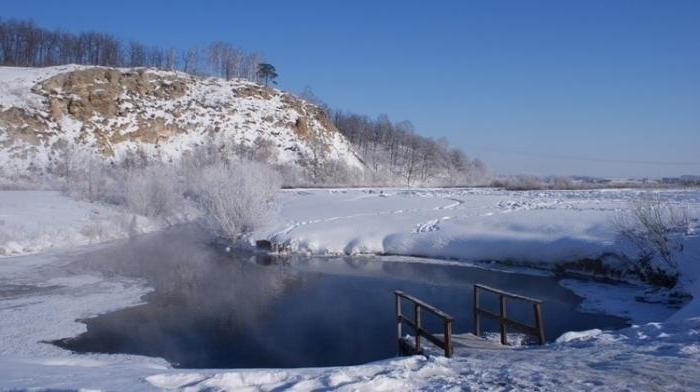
(212,309)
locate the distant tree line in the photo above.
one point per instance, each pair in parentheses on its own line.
(397,155)
(24,44)
(395,150)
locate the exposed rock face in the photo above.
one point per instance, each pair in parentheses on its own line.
(101,91)
(162,114)
(19,125)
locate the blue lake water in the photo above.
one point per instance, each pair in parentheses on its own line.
(217,309)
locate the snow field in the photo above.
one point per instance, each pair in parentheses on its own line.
(537,228)
(38,221)
(41,299)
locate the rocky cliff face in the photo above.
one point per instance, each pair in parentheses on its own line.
(164,115)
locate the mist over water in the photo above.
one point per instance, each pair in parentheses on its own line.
(214,309)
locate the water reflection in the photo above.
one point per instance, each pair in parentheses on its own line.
(216,309)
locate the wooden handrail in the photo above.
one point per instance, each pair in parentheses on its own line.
(424,305)
(417,325)
(507,294)
(537,330)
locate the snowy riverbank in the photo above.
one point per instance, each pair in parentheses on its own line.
(537,227)
(41,296)
(543,229)
(39,221)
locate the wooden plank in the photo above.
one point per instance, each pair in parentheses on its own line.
(449,348)
(477,318)
(432,338)
(538,323)
(522,327)
(425,305)
(508,294)
(397,305)
(504,333)
(466,343)
(408,321)
(511,323)
(417,321)
(424,333)
(488,314)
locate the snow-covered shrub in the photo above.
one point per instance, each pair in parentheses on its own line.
(93,180)
(153,191)
(22,184)
(528,183)
(520,183)
(94,229)
(561,183)
(234,198)
(656,228)
(150,190)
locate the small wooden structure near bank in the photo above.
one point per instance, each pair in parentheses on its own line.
(450,343)
(536,330)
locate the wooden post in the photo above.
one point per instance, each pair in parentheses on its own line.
(504,332)
(398,320)
(449,350)
(477,320)
(417,321)
(538,323)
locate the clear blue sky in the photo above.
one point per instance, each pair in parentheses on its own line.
(543,87)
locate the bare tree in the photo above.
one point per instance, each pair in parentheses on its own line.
(394,151)
(137,54)
(155,57)
(190,60)
(170,63)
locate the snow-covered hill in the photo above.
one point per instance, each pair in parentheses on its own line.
(47,112)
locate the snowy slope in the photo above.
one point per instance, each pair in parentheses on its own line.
(47,112)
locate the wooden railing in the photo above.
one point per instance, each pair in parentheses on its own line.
(417,325)
(536,330)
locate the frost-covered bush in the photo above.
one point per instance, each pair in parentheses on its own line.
(561,183)
(529,183)
(234,198)
(520,183)
(92,180)
(153,191)
(656,228)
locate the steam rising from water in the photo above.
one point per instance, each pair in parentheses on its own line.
(211,308)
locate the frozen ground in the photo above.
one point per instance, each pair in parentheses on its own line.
(37,221)
(538,227)
(41,297)
(535,228)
